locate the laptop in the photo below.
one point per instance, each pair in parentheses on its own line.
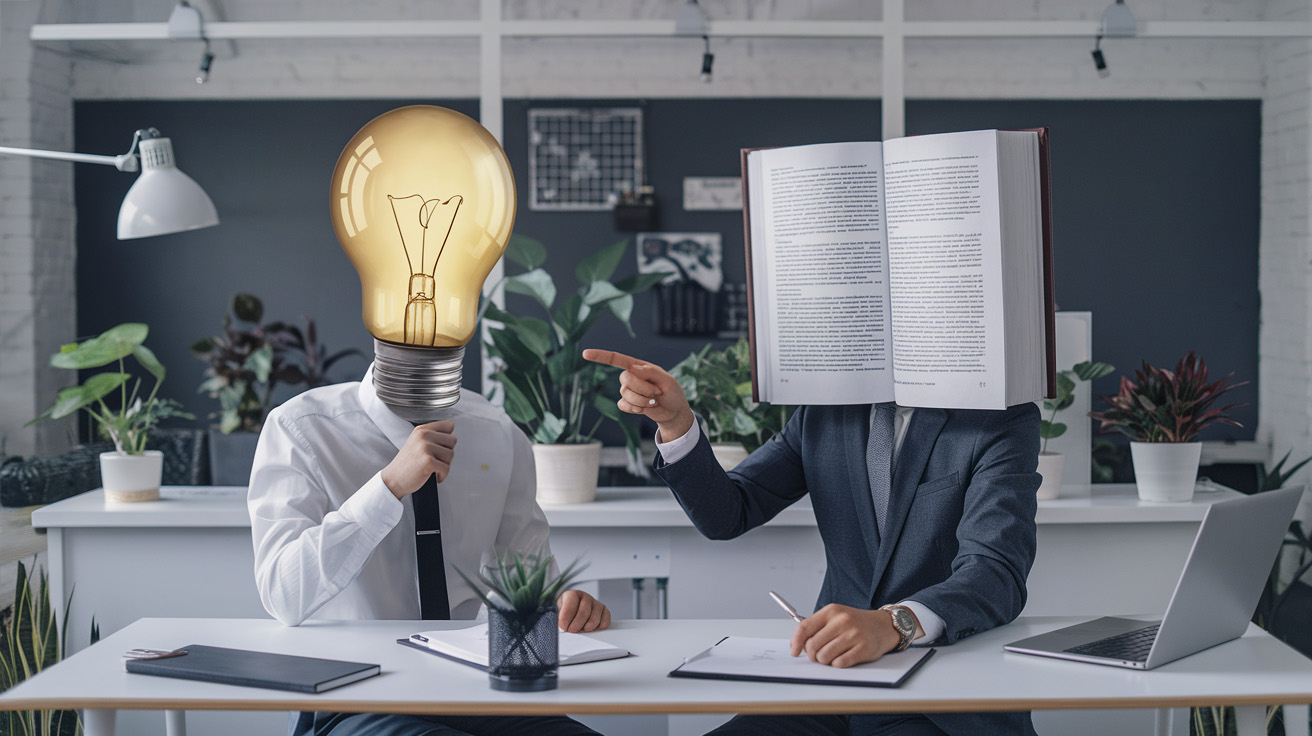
(1213,601)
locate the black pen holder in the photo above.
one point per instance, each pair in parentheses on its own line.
(523,649)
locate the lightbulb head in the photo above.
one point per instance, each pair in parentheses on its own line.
(423,203)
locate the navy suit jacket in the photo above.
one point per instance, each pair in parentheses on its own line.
(960,533)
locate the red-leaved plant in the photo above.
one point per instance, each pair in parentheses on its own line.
(1167,406)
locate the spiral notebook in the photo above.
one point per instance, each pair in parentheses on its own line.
(769,660)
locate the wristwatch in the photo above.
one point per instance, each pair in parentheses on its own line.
(905,623)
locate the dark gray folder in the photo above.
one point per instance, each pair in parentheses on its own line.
(255,669)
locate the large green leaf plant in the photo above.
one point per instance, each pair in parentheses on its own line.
(548,387)
(114,398)
(718,385)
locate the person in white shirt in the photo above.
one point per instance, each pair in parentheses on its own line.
(333,525)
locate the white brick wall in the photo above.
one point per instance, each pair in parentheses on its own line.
(35,240)
(1285,276)
(37,304)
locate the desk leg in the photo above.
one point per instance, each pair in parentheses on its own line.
(1163,723)
(1296,720)
(98,722)
(662,597)
(1250,720)
(175,722)
(637,597)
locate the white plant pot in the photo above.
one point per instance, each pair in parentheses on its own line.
(1166,471)
(127,478)
(567,473)
(1050,467)
(728,455)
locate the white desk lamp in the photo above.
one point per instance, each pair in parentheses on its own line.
(162,200)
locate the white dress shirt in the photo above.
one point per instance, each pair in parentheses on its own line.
(332,542)
(931,623)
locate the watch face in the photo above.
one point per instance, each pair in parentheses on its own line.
(903,621)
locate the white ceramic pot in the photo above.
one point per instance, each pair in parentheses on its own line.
(728,455)
(567,473)
(1050,467)
(128,478)
(1166,471)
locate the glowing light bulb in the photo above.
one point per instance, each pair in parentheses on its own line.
(423,202)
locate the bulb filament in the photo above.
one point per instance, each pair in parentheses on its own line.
(414,218)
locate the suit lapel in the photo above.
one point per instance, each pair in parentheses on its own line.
(917,446)
(856,427)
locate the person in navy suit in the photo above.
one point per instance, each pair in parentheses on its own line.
(927,519)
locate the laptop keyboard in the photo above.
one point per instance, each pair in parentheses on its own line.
(1132,646)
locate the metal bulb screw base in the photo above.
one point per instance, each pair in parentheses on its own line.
(417,382)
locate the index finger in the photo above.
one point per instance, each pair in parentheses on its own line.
(809,626)
(610,357)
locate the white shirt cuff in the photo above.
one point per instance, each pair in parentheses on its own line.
(930,622)
(676,449)
(374,508)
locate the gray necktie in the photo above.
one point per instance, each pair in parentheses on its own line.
(879,460)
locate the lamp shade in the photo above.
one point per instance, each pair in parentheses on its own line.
(163,199)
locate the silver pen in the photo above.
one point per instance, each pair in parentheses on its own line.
(792,612)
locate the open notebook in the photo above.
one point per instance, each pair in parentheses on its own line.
(768,660)
(469,646)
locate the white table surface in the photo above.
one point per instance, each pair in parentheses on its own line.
(973,675)
(636,506)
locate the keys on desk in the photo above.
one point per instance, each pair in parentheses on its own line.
(153,653)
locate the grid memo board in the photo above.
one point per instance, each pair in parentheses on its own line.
(583,158)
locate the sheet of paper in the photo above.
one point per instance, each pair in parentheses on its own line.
(470,644)
(739,656)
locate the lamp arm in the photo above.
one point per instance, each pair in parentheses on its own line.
(124,162)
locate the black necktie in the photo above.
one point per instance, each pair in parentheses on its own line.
(433,602)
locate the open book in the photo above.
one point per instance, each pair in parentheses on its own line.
(916,270)
(469,646)
(768,660)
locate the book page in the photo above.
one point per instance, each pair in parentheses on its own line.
(944,246)
(470,644)
(819,263)
(769,659)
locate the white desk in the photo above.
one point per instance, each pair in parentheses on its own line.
(974,675)
(194,546)
(190,554)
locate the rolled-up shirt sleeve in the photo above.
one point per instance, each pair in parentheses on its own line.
(306,551)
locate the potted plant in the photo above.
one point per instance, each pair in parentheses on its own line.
(246,363)
(130,472)
(31,640)
(719,388)
(1051,463)
(1162,411)
(549,390)
(523,641)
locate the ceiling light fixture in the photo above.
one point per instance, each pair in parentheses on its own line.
(707,60)
(1117,22)
(691,20)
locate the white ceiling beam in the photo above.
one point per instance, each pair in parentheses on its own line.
(662,28)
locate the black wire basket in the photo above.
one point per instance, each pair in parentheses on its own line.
(523,650)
